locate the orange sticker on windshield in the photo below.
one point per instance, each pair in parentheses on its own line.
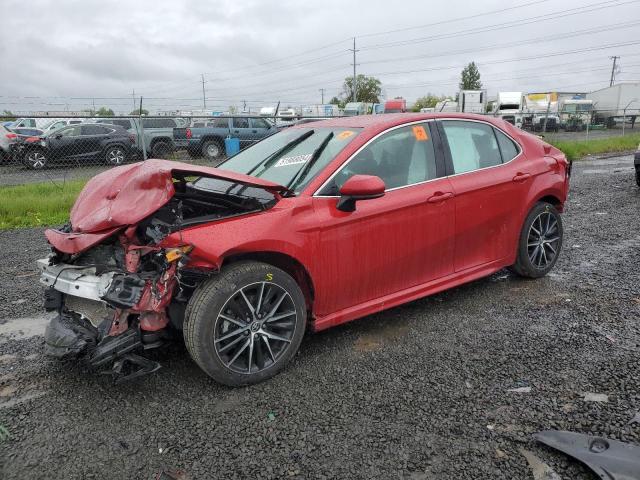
(345,134)
(420,133)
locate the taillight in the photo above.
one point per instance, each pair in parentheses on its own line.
(32,139)
(188,133)
(12,136)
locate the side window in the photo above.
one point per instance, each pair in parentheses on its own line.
(240,123)
(507,146)
(221,123)
(472,145)
(93,130)
(70,131)
(401,157)
(259,123)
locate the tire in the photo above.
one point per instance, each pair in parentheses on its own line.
(219,307)
(161,150)
(115,155)
(534,259)
(212,150)
(35,159)
(638,176)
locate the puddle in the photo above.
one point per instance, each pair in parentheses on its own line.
(375,340)
(21,328)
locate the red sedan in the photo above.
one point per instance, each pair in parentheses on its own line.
(312,227)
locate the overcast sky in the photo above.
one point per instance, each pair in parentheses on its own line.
(56,53)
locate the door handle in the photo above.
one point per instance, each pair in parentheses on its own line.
(254,131)
(521,177)
(440,197)
(236,131)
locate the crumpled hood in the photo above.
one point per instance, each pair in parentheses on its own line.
(125,195)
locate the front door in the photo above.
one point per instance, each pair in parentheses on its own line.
(62,143)
(392,243)
(240,129)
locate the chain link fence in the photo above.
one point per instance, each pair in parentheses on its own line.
(45,149)
(39,149)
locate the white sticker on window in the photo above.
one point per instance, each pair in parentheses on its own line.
(295,160)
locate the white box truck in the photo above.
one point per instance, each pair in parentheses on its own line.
(508,106)
(472,101)
(616,104)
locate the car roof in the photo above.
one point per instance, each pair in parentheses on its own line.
(382,122)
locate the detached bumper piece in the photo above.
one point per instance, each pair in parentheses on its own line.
(609,459)
(69,336)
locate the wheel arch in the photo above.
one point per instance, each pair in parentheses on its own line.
(155,140)
(283,261)
(553,200)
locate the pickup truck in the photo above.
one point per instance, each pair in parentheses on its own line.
(158,133)
(206,137)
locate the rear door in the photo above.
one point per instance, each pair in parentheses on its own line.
(392,243)
(240,129)
(489,192)
(92,138)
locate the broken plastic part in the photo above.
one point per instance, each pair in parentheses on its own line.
(174,254)
(610,459)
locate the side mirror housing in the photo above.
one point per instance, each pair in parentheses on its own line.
(58,136)
(359,187)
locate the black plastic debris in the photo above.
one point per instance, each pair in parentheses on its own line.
(610,459)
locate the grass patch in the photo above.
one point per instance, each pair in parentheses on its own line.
(576,149)
(37,204)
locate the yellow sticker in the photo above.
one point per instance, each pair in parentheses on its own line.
(269,276)
(344,135)
(420,133)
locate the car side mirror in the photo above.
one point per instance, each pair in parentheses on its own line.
(58,136)
(359,187)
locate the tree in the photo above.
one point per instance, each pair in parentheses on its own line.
(428,101)
(470,78)
(337,101)
(368,89)
(8,115)
(105,112)
(139,111)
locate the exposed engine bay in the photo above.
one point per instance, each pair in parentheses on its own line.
(127,295)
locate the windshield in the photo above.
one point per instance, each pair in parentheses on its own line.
(291,158)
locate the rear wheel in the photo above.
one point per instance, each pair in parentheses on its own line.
(115,155)
(245,325)
(161,150)
(540,241)
(36,159)
(212,150)
(638,176)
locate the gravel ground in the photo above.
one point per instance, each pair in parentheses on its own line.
(417,392)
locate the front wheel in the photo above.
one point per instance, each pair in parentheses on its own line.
(161,150)
(115,155)
(36,159)
(246,324)
(540,241)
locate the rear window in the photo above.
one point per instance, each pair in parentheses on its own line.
(158,123)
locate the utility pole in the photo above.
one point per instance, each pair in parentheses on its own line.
(322,93)
(244,105)
(133,97)
(613,69)
(204,98)
(355,82)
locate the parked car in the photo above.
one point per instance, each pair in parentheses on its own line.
(158,133)
(7,139)
(636,163)
(102,143)
(208,140)
(312,227)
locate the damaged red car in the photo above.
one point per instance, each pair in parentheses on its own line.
(312,227)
